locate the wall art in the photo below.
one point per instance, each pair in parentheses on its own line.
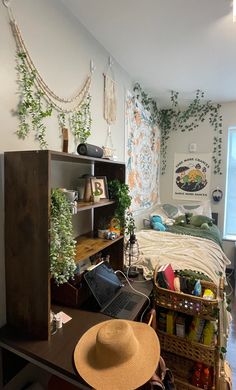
(143,155)
(191,177)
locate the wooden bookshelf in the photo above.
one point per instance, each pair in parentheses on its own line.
(28,184)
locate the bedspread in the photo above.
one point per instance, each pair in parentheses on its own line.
(212,233)
(182,251)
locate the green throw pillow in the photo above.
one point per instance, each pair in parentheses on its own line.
(198,220)
(180,220)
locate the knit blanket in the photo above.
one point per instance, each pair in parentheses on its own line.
(182,251)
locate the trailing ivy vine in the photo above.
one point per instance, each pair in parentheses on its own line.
(81,121)
(174,119)
(62,244)
(34,107)
(31,108)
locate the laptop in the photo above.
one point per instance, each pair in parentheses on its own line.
(112,297)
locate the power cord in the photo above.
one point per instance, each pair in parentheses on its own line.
(137,291)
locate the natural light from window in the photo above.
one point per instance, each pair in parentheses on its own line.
(230,195)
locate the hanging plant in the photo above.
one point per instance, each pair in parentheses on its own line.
(31,109)
(62,244)
(61,119)
(80,121)
(174,119)
(120,193)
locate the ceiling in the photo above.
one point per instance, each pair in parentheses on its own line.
(180,45)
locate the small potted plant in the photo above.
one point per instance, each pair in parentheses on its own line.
(96,196)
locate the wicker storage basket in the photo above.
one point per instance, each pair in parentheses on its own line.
(182,369)
(182,385)
(187,303)
(186,348)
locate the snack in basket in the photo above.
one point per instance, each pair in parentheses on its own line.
(208,294)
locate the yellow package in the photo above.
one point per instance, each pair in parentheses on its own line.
(208,332)
(208,294)
(196,329)
(170,322)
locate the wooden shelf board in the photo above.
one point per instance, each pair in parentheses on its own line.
(81,206)
(88,245)
(69,157)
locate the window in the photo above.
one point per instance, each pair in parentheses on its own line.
(230,196)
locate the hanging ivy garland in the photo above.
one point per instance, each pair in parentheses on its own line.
(174,119)
(38,101)
(62,244)
(32,108)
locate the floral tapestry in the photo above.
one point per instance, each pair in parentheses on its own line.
(143,155)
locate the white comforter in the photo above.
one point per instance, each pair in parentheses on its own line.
(182,251)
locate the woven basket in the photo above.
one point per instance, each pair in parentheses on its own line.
(182,369)
(186,348)
(187,303)
(182,385)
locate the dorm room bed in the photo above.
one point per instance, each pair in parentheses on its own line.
(196,248)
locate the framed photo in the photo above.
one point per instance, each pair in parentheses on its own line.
(99,186)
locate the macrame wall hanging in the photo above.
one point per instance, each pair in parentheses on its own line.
(110,108)
(38,101)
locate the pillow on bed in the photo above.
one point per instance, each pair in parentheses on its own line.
(199,220)
(203,208)
(171,210)
(158,210)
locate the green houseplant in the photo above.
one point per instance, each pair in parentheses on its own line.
(120,193)
(62,244)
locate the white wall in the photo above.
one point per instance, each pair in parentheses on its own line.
(203,137)
(61,49)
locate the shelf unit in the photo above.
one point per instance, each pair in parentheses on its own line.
(181,353)
(29,178)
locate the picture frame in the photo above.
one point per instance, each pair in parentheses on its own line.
(99,183)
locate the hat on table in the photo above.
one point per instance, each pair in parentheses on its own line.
(117,354)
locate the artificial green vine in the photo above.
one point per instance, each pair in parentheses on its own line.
(174,119)
(31,111)
(120,193)
(62,244)
(80,121)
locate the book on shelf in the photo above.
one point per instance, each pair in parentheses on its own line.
(166,276)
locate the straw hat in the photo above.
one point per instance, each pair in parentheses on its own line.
(117,355)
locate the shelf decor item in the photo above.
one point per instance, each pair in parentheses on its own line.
(62,244)
(96,196)
(99,186)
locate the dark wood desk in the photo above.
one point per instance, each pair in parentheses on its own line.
(56,355)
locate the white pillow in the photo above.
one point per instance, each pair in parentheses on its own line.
(158,210)
(203,208)
(161,212)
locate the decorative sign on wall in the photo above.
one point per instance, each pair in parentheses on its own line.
(143,155)
(191,178)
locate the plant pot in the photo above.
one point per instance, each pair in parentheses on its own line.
(96,198)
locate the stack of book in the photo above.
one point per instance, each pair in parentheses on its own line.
(166,276)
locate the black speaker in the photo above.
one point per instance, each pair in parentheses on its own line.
(90,150)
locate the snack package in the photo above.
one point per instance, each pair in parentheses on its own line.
(208,294)
(209,332)
(196,329)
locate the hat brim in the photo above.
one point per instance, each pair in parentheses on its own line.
(125,376)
